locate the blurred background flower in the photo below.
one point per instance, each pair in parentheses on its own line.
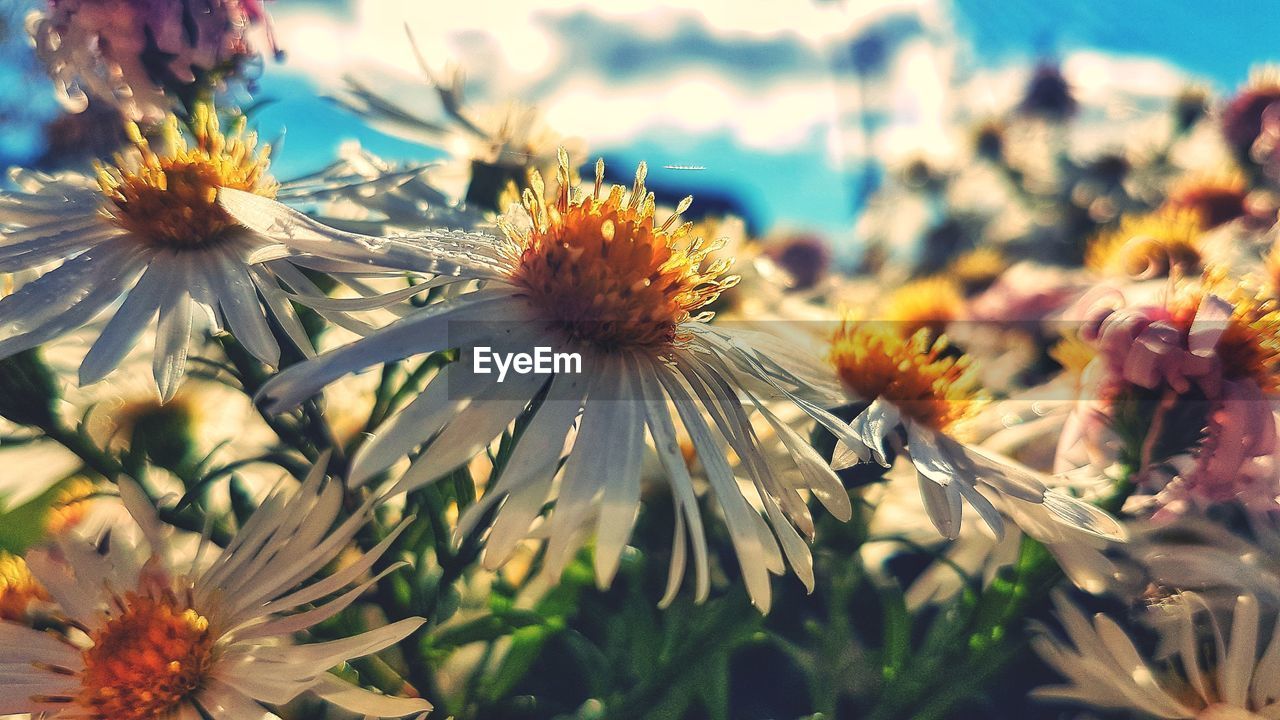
(785,114)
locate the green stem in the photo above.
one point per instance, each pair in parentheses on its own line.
(91,455)
(933,689)
(724,628)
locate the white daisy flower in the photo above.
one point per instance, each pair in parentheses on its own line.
(918,392)
(210,637)
(1232,676)
(490,147)
(149,231)
(594,275)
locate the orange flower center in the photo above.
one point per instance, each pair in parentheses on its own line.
(601,271)
(873,360)
(145,660)
(18,589)
(170,200)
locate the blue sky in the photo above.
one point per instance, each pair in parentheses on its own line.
(1216,40)
(763,100)
(798,183)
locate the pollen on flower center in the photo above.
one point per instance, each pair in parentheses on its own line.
(601,271)
(169,199)
(915,373)
(146,659)
(18,589)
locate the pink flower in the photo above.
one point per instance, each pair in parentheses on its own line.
(128,52)
(1181,382)
(1151,347)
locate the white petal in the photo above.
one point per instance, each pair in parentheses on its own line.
(173,339)
(735,426)
(663,431)
(67,297)
(298,231)
(427,330)
(1236,669)
(278,303)
(942,503)
(874,425)
(238,298)
(589,464)
(621,497)
(1083,516)
(528,473)
(224,702)
(358,700)
(472,430)
(756,551)
(121,333)
(69,240)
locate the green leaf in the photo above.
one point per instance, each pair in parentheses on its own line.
(24,526)
(526,648)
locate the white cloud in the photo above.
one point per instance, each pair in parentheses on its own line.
(769,119)
(785,98)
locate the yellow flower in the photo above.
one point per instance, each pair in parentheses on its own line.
(1216,198)
(976,270)
(1158,244)
(926,304)
(917,373)
(1249,347)
(69,506)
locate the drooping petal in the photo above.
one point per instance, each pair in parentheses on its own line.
(435,328)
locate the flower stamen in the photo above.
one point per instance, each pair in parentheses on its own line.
(169,199)
(145,660)
(599,269)
(916,373)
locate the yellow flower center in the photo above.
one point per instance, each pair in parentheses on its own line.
(1074,355)
(601,271)
(18,589)
(145,660)
(978,269)
(916,373)
(929,303)
(169,199)
(1154,245)
(69,507)
(1250,344)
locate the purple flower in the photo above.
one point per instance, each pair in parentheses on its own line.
(129,52)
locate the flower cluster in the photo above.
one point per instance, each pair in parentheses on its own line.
(256,463)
